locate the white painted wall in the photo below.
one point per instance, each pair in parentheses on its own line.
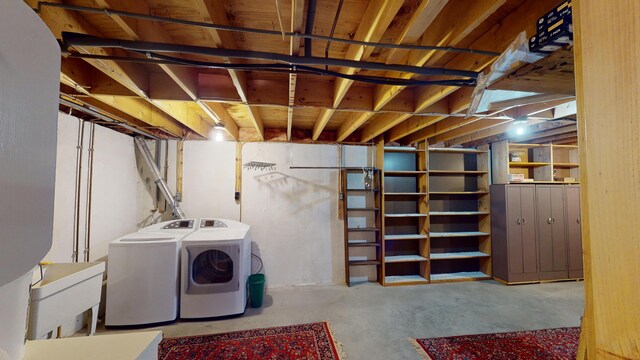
(208,185)
(29,76)
(294,213)
(117,186)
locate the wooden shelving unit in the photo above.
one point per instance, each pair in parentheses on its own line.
(406,212)
(459,221)
(362,224)
(539,163)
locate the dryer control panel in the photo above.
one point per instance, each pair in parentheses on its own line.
(180,224)
(211,223)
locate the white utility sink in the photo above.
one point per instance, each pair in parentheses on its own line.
(66,290)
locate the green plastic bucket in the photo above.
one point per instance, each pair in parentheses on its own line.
(256,289)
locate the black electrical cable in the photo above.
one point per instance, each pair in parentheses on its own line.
(282,68)
(109,12)
(261,263)
(308,30)
(75,39)
(333,29)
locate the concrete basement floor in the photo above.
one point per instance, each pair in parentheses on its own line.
(375,322)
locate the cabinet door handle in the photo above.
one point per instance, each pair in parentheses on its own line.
(554,220)
(578,220)
(524,221)
(518,221)
(549,221)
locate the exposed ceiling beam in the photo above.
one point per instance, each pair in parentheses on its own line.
(185,77)
(529,100)
(504,132)
(404,123)
(77,74)
(374,23)
(536,108)
(457,20)
(132,76)
(468,126)
(213,11)
(419,22)
(422,17)
(442,32)
(498,38)
(297,17)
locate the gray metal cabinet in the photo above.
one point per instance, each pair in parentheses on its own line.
(574,232)
(551,234)
(514,233)
(535,232)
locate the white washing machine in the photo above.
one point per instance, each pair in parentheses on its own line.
(143,282)
(216,263)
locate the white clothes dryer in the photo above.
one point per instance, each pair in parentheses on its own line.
(215,263)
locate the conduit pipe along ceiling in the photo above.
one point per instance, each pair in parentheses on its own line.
(287,63)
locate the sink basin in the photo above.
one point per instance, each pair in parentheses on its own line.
(67,290)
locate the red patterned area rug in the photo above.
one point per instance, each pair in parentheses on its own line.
(552,344)
(305,341)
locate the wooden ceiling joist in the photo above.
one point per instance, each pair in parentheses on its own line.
(297,17)
(442,32)
(375,22)
(132,76)
(498,38)
(419,22)
(214,12)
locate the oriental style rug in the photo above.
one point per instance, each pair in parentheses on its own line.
(305,341)
(552,344)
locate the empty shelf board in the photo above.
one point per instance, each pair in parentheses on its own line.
(458,255)
(404,173)
(457,150)
(404,193)
(363,209)
(402,149)
(404,280)
(459,276)
(458,234)
(404,215)
(458,192)
(404,258)
(457,213)
(456,172)
(356,243)
(363,229)
(363,262)
(405,237)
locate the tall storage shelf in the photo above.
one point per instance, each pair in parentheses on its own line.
(405,240)
(459,221)
(538,163)
(362,225)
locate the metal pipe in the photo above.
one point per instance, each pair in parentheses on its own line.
(154,58)
(92,112)
(308,29)
(87,236)
(75,39)
(109,12)
(146,154)
(76,210)
(333,29)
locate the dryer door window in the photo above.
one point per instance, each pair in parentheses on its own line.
(213,269)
